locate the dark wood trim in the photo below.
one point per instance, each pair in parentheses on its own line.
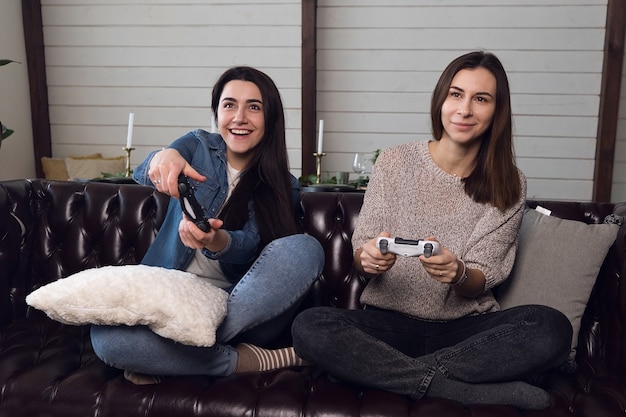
(609,100)
(36,63)
(309,84)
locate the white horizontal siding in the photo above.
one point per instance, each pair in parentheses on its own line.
(574,190)
(110,56)
(378,62)
(159,59)
(386,59)
(498,38)
(455,14)
(162,76)
(167,13)
(223,37)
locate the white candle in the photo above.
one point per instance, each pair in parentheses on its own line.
(129,137)
(320,139)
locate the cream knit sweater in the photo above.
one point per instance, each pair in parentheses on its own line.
(411,197)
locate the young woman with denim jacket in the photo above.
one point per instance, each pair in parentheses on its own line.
(431,326)
(252,250)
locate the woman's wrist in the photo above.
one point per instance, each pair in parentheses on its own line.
(462,277)
(359,265)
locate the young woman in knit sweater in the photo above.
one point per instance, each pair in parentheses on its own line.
(431,326)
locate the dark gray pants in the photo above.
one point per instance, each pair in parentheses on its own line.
(398,353)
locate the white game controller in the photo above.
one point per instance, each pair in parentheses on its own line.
(408,247)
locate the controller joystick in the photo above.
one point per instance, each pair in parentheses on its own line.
(408,247)
(428,249)
(383,245)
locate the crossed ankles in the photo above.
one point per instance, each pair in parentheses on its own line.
(250,359)
(255,359)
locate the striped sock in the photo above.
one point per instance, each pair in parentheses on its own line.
(255,359)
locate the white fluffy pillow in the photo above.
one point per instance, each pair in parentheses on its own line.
(174,304)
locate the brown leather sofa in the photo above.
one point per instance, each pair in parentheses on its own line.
(49,230)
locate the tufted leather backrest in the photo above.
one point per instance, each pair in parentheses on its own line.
(15,247)
(331,218)
(65,227)
(51,229)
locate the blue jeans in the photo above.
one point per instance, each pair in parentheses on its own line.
(398,353)
(260,306)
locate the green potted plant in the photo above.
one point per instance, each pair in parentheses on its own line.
(5,132)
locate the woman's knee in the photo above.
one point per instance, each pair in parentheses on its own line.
(304,248)
(555,332)
(558,326)
(312,328)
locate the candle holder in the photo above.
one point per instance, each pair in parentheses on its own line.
(128,151)
(318,171)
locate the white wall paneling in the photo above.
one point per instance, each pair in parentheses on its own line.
(377,62)
(159,60)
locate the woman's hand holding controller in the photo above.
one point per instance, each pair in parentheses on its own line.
(214,239)
(449,269)
(164,169)
(370,261)
(444,266)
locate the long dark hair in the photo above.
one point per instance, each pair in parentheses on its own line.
(266,179)
(495,179)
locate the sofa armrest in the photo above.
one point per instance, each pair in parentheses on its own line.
(15,245)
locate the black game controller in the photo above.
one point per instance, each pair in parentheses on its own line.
(190,205)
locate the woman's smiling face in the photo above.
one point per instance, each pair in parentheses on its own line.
(468,110)
(241,120)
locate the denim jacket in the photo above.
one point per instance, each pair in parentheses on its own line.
(206,153)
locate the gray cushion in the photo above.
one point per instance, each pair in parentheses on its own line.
(557,264)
